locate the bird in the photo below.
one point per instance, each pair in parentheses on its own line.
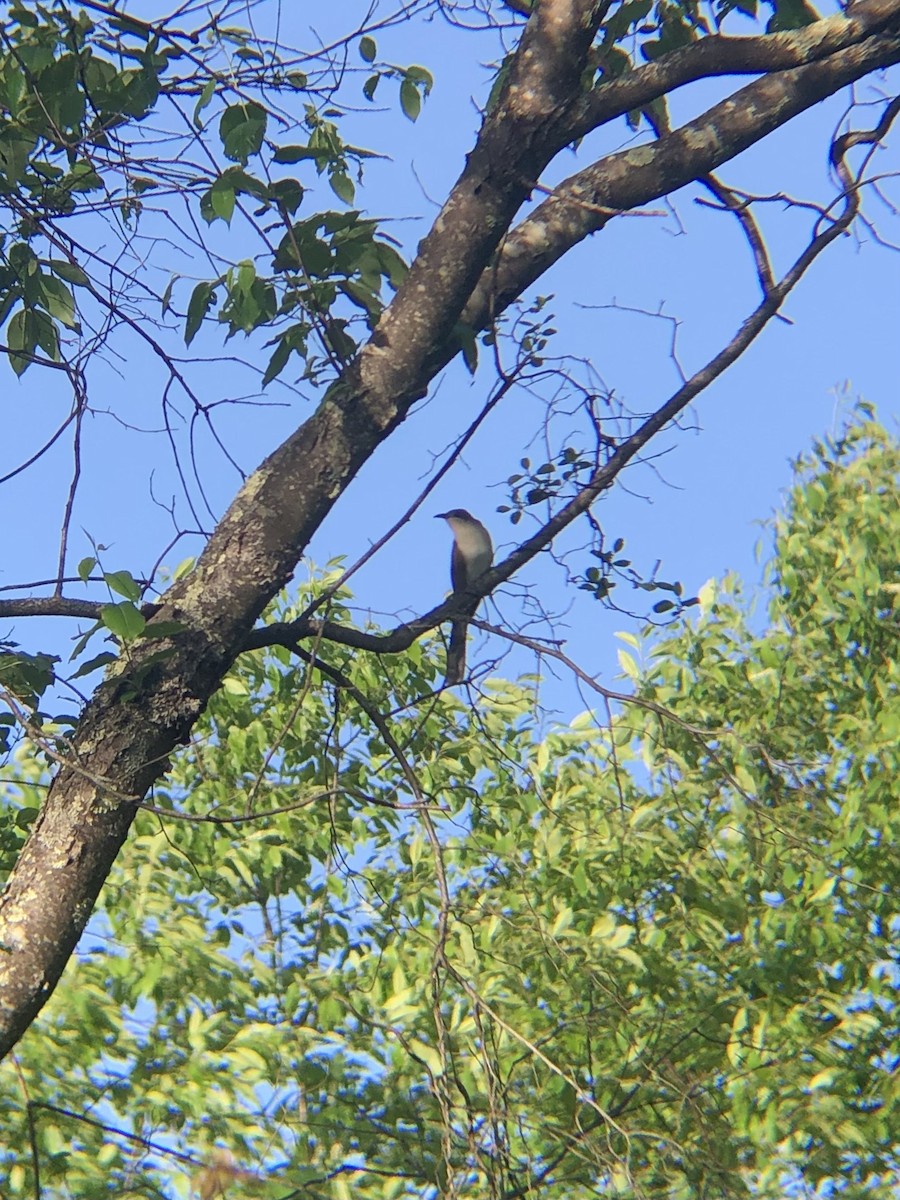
(473,553)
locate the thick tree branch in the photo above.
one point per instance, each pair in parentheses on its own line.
(718,55)
(50,606)
(581,204)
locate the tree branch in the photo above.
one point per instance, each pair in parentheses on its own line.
(580,205)
(50,606)
(717,55)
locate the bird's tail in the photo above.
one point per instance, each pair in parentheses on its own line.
(456,652)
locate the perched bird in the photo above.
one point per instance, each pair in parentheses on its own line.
(472,555)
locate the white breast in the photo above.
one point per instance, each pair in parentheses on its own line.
(474,545)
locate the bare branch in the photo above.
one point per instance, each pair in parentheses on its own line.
(50,606)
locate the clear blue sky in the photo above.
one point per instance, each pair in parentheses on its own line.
(699,506)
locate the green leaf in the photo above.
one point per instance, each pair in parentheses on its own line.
(464,335)
(140,90)
(58,301)
(370,85)
(202,297)
(69,271)
(209,90)
(82,178)
(287,194)
(342,186)
(301,247)
(362,296)
(21,338)
(94,664)
(129,24)
(824,891)
(46,334)
(123,583)
(85,567)
(294,154)
(245,183)
(410,100)
(392,264)
(26,676)
(277,362)
(8,302)
(123,620)
(222,200)
(242,128)
(184,568)
(367,49)
(166,302)
(82,642)
(23,260)
(421,75)
(791,14)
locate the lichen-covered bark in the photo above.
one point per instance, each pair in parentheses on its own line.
(147,707)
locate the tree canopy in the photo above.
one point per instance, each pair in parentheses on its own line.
(648,954)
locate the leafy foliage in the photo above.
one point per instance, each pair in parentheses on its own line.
(652,959)
(23,678)
(76,90)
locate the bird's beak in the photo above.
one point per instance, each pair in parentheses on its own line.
(442,516)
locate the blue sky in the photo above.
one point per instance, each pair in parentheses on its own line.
(697,508)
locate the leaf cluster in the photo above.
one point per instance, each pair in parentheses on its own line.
(75,94)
